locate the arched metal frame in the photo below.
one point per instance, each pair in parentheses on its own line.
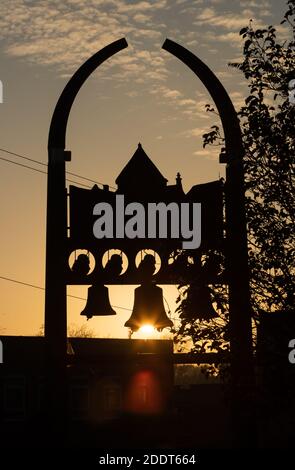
(58,126)
(56,230)
(55,297)
(236,233)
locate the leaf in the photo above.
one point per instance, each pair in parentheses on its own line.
(243,31)
(268,134)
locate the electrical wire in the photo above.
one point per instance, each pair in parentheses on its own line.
(70,181)
(45,172)
(22,156)
(43,288)
(72,296)
(40,171)
(23,166)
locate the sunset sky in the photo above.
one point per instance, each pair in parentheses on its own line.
(142,94)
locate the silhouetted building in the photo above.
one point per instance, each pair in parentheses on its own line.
(121,393)
(100,373)
(138,174)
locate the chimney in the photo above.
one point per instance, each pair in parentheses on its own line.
(178,180)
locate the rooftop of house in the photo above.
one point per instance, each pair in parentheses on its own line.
(141,169)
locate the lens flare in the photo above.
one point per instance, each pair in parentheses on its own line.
(146,330)
(144,394)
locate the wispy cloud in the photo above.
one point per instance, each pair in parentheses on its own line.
(238,98)
(206,14)
(231,38)
(185,107)
(261,5)
(126,7)
(229,21)
(196,132)
(141,18)
(209,153)
(63,33)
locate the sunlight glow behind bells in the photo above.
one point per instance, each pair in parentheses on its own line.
(147,330)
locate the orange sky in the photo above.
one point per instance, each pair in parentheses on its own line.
(142,95)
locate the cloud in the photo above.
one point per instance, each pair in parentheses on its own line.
(206,14)
(186,102)
(186,107)
(64,33)
(172,94)
(261,5)
(141,18)
(132,94)
(202,153)
(265,13)
(224,74)
(196,132)
(207,153)
(238,98)
(182,2)
(283,32)
(123,7)
(232,38)
(231,21)
(148,33)
(183,107)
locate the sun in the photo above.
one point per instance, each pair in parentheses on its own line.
(146,330)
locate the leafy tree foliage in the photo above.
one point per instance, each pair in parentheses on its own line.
(267,122)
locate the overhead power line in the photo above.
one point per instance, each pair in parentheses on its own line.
(70,181)
(22,156)
(45,172)
(40,171)
(74,296)
(22,165)
(43,288)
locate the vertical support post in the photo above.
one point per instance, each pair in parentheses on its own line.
(55,293)
(56,232)
(241,354)
(56,237)
(242,372)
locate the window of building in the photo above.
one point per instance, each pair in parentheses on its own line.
(14,397)
(79,398)
(112,398)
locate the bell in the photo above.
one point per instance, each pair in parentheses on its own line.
(98,302)
(198,305)
(148,308)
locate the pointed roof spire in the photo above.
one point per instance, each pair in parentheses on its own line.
(140,172)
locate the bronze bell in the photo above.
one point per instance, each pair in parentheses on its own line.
(98,302)
(148,308)
(198,304)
